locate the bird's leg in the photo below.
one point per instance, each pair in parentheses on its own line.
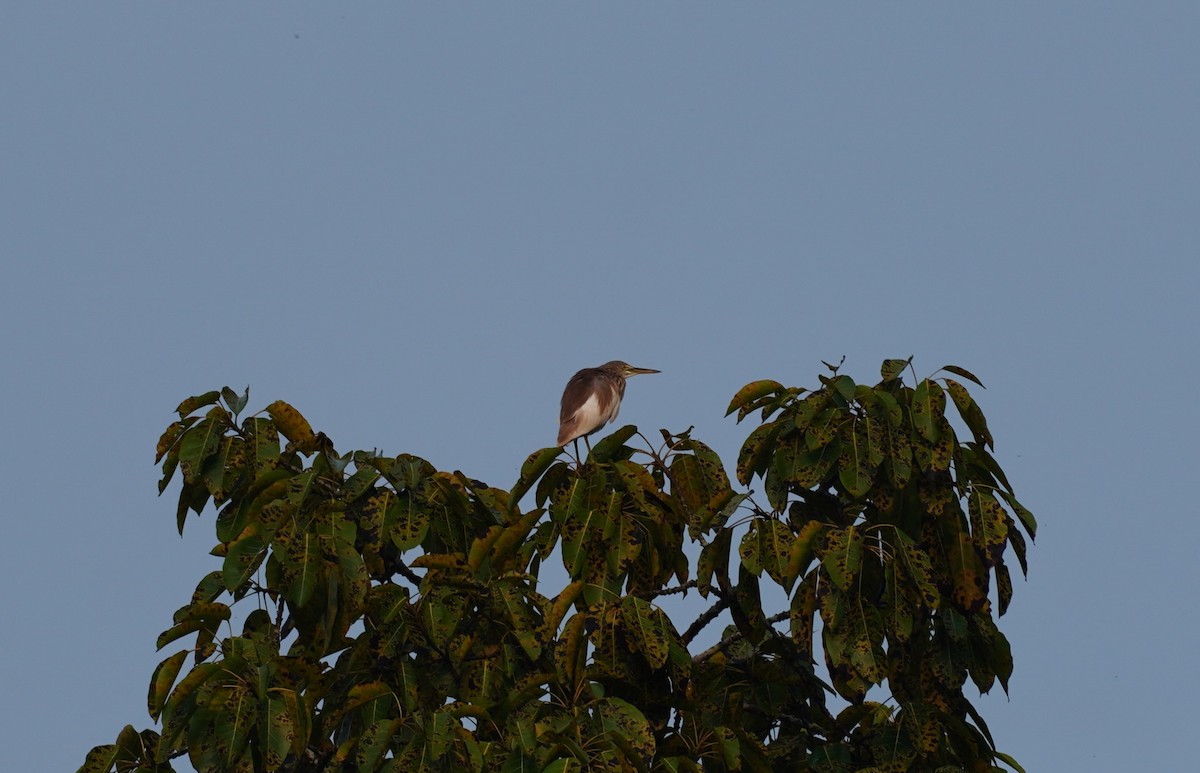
(588,443)
(576,443)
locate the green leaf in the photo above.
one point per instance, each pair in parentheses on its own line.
(512,536)
(970,411)
(714,559)
(234,402)
(918,566)
(1009,761)
(989,525)
(622,721)
(535,465)
(223,469)
(856,469)
(892,411)
(408,522)
(776,541)
(441,612)
(233,724)
(843,386)
(264,452)
(928,405)
(169,466)
(199,443)
(797,469)
(526,619)
(650,630)
(893,368)
(235,518)
(800,553)
(201,617)
(375,742)
(751,392)
(167,440)
(1004,587)
(750,550)
(184,691)
(746,610)
(199,401)
(209,588)
(1026,517)
(801,613)
(824,427)
(241,561)
(809,408)
(756,452)
(962,372)
(100,759)
(609,448)
(279,729)
(966,572)
(301,558)
(842,556)
(300,711)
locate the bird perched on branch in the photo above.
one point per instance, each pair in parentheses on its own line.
(592,399)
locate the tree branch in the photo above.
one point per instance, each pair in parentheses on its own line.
(722,645)
(695,628)
(409,574)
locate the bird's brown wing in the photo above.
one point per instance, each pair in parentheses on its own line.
(586,404)
(573,397)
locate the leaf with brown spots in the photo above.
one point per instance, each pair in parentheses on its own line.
(624,721)
(167,440)
(1004,587)
(649,629)
(917,566)
(842,556)
(892,369)
(970,411)
(800,552)
(928,405)
(1026,517)
(750,550)
(856,470)
(407,521)
(294,427)
(989,525)
(531,471)
(198,443)
(198,401)
(800,614)
(775,539)
(824,428)
(967,573)
(714,559)
(748,394)
(162,680)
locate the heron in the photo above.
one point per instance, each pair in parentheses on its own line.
(592,399)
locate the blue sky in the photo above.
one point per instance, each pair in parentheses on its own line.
(414,222)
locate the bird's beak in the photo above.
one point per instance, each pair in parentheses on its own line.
(632,371)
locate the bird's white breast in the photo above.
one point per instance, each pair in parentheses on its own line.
(589,416)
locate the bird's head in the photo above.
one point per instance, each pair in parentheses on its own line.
(624,369)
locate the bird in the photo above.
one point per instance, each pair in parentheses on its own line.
(592,399)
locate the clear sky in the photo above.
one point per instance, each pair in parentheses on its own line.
(415,221)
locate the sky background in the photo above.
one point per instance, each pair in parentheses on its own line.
(415,221)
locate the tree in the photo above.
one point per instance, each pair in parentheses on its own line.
(400,621)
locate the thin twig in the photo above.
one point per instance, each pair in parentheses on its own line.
(677,589)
